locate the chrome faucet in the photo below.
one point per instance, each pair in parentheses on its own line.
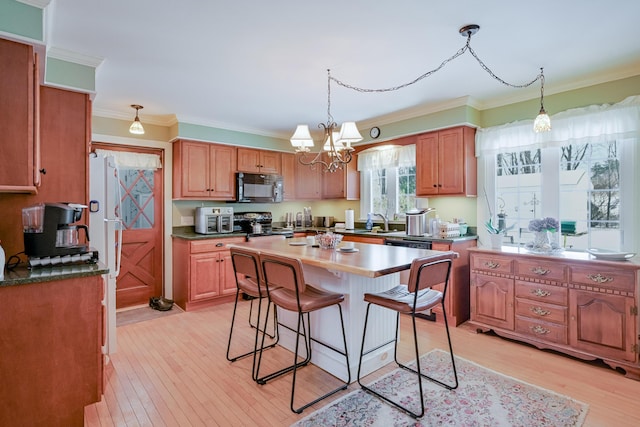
(386,221)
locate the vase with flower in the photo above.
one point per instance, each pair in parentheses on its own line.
(542,229)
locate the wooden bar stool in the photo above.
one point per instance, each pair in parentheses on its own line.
(412,298)
(287,289)
(246,265)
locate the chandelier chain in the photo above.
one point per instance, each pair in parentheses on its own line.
(461,51)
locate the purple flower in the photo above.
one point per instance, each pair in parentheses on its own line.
(548,224)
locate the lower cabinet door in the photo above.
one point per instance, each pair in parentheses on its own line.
(205,276)
(492,301)
(227,274)
(602,324)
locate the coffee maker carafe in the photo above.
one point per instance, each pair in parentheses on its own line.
(48,230)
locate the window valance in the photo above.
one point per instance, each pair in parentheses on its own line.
(390,156)
(578,125)
(128,160)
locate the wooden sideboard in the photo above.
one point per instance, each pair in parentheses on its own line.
(570,303)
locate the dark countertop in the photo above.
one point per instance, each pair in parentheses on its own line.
(187,232)
(24,275)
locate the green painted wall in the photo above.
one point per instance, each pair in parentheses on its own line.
(21,19)
(120,128)
(223,136)
(71,75)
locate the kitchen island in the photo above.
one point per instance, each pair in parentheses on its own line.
(372,268)
(51,329)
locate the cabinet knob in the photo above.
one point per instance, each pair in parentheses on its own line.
(43,171)
(219,245)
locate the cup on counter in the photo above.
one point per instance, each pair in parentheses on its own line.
(311,240)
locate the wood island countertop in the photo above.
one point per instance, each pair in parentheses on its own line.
(369,260)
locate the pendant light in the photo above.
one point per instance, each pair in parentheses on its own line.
(136,127)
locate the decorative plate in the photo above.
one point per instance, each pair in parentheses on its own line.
(610,255)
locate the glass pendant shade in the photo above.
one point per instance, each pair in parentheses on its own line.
(301,138)
(542,123)
(136,127)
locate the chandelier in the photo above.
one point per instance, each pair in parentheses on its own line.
(336,151)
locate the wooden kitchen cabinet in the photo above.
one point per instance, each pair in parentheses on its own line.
(259,161)
(446,163)
(19,119)
(203,171)
(51,346)
(456,301)
(585,308)
(342,184)
(203,274)
(308,182)
(289,162)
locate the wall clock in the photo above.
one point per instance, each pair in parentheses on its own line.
(374,132)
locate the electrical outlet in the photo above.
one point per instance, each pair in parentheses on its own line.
(186,220)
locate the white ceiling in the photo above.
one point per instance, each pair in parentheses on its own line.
(260,66)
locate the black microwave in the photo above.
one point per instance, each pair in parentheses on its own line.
(258,187)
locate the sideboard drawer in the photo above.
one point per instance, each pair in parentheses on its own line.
(541,311)
(603,277)
(542,330)
(543,293)
(540,269)
(494,263)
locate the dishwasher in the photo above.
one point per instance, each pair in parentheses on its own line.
(419,244)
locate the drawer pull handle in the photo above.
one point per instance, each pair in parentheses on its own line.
(599,278)
(491,264)
(540,311)
(537,329)
(219,245)
(540,271)
(540,293)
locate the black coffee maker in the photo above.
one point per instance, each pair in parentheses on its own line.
(48,230)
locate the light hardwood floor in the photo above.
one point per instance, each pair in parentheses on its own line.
(172,371)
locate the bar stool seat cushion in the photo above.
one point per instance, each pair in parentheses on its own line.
(400,299)
(310,300)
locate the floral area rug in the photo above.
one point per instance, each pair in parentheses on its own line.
(483,398)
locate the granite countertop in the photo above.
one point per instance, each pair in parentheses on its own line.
(188,232)
(24,275)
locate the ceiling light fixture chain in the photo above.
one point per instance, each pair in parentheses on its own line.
(468,30)
(337,146)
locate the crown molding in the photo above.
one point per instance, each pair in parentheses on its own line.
(36,3)
(74,57)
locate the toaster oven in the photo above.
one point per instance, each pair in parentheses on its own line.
(212,220)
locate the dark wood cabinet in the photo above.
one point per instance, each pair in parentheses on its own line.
(19,118)
(587,309)
(446,163)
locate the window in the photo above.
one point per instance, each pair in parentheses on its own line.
(583,172)
(388,180)
(585,182)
